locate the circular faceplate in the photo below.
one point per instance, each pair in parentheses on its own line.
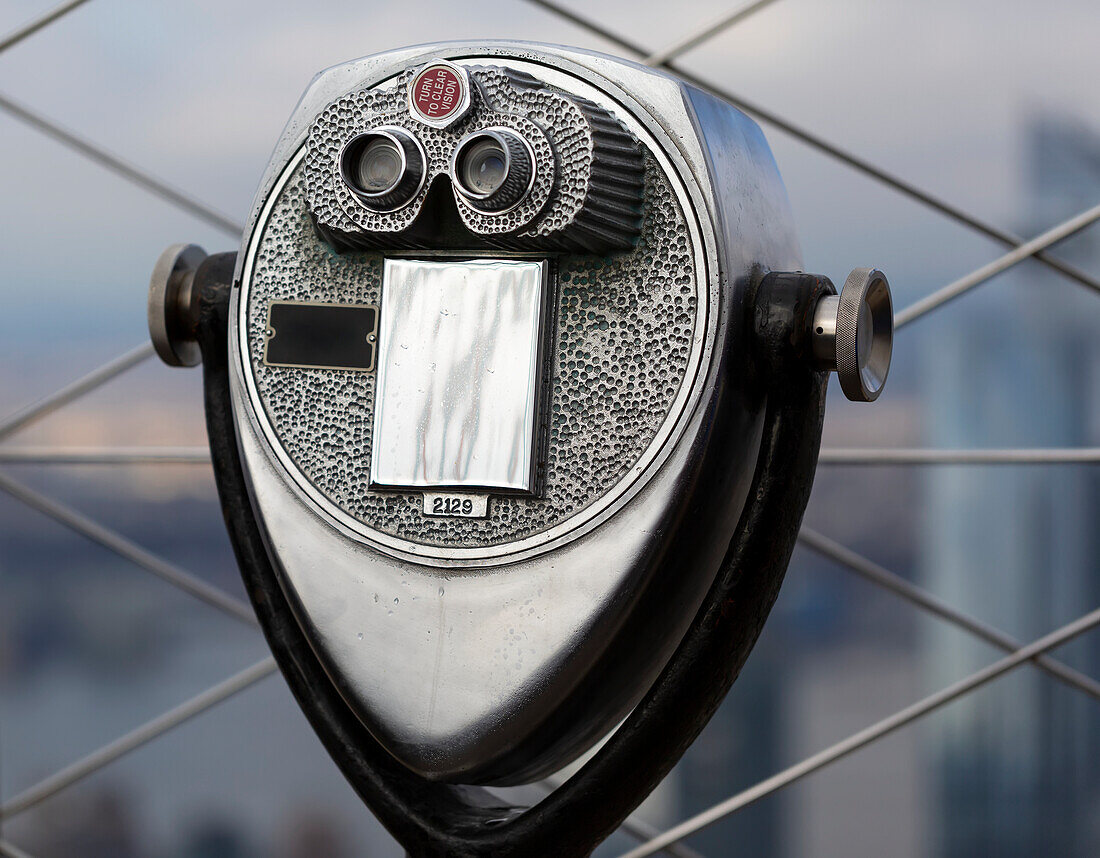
(630,334)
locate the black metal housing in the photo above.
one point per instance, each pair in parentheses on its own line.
(432,820)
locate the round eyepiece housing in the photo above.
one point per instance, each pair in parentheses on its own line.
(493,170)
(384,168)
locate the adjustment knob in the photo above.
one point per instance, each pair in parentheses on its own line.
(854,334)
(173,305)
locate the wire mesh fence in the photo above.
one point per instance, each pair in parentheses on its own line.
(1040,251)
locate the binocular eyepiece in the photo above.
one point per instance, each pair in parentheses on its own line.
(493,170)
(384,168)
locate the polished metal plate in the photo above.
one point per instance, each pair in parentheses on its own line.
(457,394)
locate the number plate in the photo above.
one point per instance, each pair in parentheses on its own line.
(463,506)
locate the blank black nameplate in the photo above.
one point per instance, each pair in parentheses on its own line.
(321,336)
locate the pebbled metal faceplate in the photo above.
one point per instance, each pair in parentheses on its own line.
(624,328)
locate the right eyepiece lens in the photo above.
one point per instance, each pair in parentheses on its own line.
(484,166)
(493,170)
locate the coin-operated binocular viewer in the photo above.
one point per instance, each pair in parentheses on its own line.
(514,393)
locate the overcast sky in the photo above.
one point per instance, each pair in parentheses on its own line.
(937,91)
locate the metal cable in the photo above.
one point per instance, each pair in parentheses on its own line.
(105,455)
(870,734)
(44,20)
(825,147)
(836,456)
(641,830)
(704,33)
(76,389)
(136,738)
(10,850)
(149,731)
(917,456)
(964,284)
(924,600)
(130,551)
(120,166)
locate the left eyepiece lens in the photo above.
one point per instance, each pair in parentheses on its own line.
(380,166)
(384,168)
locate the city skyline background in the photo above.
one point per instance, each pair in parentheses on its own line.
(989,105)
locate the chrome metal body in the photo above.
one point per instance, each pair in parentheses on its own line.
(466,662)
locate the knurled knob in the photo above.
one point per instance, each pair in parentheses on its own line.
(854,334)
(173,305)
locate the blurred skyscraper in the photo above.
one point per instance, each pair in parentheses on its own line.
(1017,364)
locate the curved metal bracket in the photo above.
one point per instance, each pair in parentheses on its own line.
(434,819)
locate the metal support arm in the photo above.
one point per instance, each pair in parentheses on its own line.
(432,820)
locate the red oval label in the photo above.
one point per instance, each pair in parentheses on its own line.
(437,92)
